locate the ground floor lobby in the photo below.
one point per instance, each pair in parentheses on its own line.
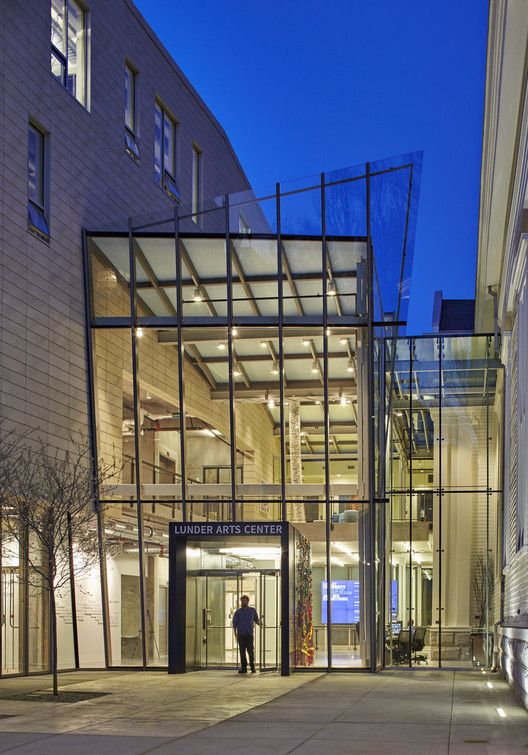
(218,711)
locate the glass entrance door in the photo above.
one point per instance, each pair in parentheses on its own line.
(213,596)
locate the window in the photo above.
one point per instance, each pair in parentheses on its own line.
(131,145)
(196,184)
(165,151)
(37,181)
(68,47)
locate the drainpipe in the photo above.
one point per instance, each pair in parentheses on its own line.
(493,292)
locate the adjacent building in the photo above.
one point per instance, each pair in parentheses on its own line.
(502,304)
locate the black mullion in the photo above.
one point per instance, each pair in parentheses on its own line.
(324,265)
(181,386)
(232,422)
(280,302)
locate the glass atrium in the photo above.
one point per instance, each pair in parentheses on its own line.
(246,366)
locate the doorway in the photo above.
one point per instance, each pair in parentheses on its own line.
(211,565)
(213,596)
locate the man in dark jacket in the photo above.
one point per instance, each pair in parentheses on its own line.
(243,622)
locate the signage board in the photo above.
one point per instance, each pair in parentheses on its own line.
(231,529)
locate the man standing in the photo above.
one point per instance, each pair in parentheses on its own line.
(243,620)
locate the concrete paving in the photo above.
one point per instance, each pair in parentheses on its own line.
(417,711)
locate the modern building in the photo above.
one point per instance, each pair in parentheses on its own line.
(236,355)
(502,304)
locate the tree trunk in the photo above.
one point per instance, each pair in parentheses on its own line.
(53,636)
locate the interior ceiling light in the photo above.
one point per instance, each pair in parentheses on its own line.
(306,342)
(343,401)
(318,402)
(271,403)
(197,295)
(399,414)
(350,366)
(234,332)
(274,369)
(148,396)
(331,290)
(221,346)
(315,367)
(263,344)
(343,341)
(236,370)
(139,332)
(253,552)
(328,331)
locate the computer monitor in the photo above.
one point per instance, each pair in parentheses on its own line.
(396,627)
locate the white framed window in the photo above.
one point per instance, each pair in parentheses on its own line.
(196,199)
(68,47)
(165,151)
(131,144)
(37,180)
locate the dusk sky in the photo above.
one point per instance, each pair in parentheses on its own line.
(311,86)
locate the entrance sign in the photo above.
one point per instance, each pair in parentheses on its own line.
(197,529)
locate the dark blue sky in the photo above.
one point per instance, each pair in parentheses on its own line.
(307,86)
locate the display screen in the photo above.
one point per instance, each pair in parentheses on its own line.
(345,600)
(344,595)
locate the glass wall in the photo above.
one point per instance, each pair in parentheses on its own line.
(444,487)
(232,366)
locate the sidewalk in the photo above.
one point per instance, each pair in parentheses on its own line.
(220,712)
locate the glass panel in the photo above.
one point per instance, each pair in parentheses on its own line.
(155,264)
(58,69)
(58,21)
(464,412)
(110,276)
(159,432)
(158,128)
(196,180)
(204,274)
(470,587)
(123,584)
(310,640)
(12,608)
(38,611)
(349,601)
(115,409)
(76,74)
(256,384)
(36,166)
(207,428)
(130,99)
(169,145)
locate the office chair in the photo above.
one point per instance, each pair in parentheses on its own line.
(418,643)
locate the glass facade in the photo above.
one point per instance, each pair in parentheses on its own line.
(444,490)
(248,369)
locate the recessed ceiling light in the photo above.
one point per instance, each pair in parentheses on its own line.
(221,346)
(331,289)
(306,342)
(343,341)
(263,344)
(139,332)
(271,403)
(315,367)
(350,366)
(197,295)
(274,370)
(234,332)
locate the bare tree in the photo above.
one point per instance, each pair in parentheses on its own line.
(47,509)
(483,586)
